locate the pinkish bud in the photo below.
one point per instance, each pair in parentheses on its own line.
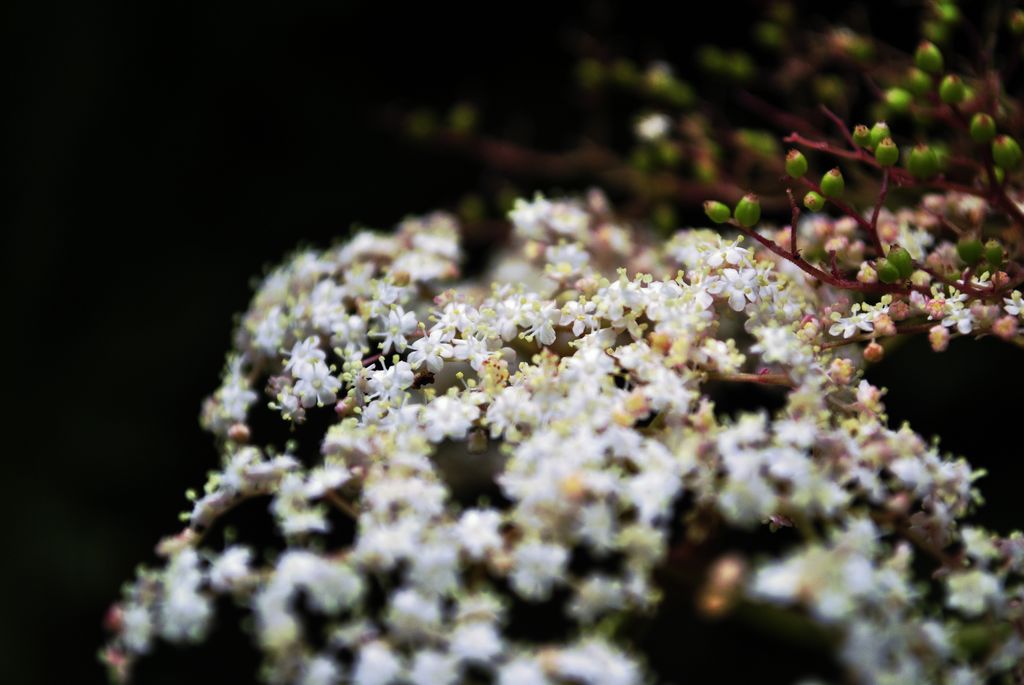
(884,325)
(938,336)
(841,371)
(874,352)
(899,310)
(1005,327)
(239,432)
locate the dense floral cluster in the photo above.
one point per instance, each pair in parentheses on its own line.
(543,435)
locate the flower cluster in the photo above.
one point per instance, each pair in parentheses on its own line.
(544,436)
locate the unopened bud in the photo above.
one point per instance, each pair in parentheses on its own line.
(1006,327)
(938,336)
(874,352)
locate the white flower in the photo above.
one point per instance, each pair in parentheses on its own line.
(475,641)
(137,630)
(320,670)
(303,356)
(448,417)
(537,567)
(430,667)
(472,349)
(522,671)
(961,317)
(653,126)
(739,286)
(477,532)
(849,325)
(597,663)
(413,613)
(397,325)
(1014,305)
(581,315)
(430,350)
(184,611)
(390,383)
(231,566)
(971,591)
(540,321)
(376,664)
(318,386)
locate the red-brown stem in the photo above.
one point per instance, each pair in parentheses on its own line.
(850,212)
(837,282)
(905,330)
(882,192)
(795,209)
(841,125)
(761,378)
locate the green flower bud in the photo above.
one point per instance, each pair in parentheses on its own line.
(936,31)
(748,210)
(887,153)
(463,118)
(947,12)
(983,128)
(887,272)
(969,250)
(918,81)
(928,57)
(1016,22)
(879,132)
(922,162)
(994,254)
(717,211)
(814,201)
(898,99)
(862,135)
(952,90)
(832,183)
(769,35)
(902,260)
(999,175)
(1006,152)
(796,163)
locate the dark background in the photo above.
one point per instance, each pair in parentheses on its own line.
(163,153)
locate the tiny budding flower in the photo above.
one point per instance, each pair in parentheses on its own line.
(879,132)
(899,99)
(748,210)
(1006,152)
(887,271)
(994,254)
(938,337)
(918,81)
(862,135)
(982,128)
(874,352)
(928,57)
(887,154)
(922,162)
(717,211)
(902,260)
(832,183)
(796,164)
(1016,22)
(814,201)
(969,250)
(952,90)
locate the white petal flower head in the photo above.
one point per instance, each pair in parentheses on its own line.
(477,532)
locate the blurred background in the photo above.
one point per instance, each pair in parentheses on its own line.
(164,153)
